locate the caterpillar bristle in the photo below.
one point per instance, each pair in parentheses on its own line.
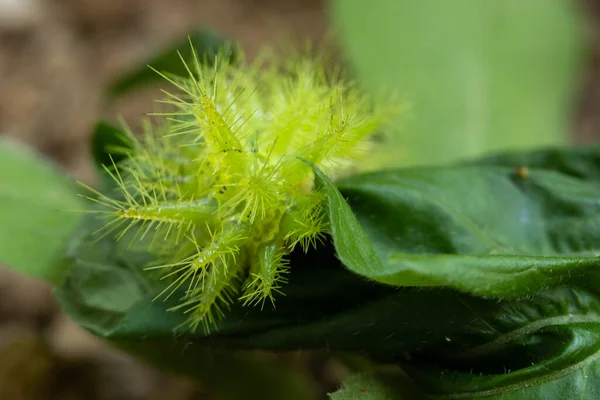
(206,304)
(268,272)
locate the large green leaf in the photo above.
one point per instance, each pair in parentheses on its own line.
(107,293)
(463,234)
(110,146)
(479,75)
(546,344)
(36,213)
(487,231)
(545,348)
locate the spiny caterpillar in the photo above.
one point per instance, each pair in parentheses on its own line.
(220,184)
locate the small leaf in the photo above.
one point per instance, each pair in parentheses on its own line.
(36,213)
(108,144)
(109,147)
(204,42)
(351,243)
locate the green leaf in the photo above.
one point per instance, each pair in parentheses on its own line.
(108,293)
(37,215)
(478,75)
(351,243)
(204,42)
(545,344)
(544,348)
(486,231)
(529,240)
(110,146)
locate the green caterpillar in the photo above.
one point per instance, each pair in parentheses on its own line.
(220,184)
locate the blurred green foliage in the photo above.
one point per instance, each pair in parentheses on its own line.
(37,203)
(478,75)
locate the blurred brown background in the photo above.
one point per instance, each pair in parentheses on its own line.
(56,56)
